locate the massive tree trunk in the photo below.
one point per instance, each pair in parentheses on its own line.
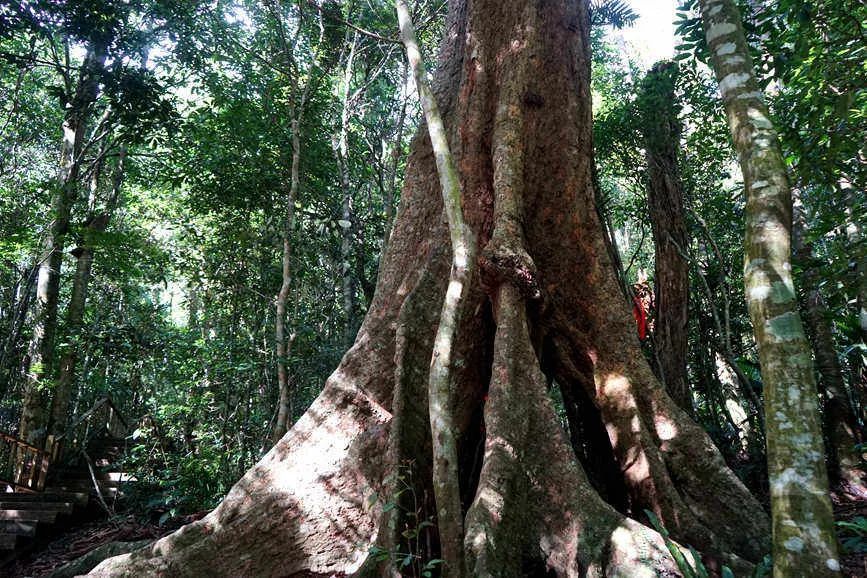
(34,412)
(545,309)
(661,129)
(803,523)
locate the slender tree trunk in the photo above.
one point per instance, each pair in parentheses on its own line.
(393,163)
(803,523)
(340,144)
(665,200)
(446,481)
(284,403)
(84,254)
(22,297)
(285,410)
(858,255)
(512,87)
(34,412)
(840,423)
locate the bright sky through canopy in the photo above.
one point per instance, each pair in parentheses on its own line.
(652,35)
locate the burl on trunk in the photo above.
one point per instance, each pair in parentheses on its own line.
(545,312)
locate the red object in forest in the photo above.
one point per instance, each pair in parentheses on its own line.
(640,317)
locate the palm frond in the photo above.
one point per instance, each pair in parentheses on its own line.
(616,13)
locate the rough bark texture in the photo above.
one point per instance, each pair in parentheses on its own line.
(803,536)
(661,129)
(546,307)
(34,412)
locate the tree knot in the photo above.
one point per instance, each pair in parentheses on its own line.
(505,259)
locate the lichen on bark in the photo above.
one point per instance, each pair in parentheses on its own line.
(803,534)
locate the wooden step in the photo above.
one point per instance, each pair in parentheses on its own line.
(8,541)
(45,516)
(60,507)
(18,527)
(77,497)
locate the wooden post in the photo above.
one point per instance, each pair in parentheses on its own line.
(45,463)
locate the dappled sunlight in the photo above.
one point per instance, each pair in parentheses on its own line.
(637,552)
(666,429)
(616,388)
(498,443)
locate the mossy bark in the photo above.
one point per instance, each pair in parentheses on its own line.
(803,536)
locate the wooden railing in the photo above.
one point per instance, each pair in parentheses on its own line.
(25,466)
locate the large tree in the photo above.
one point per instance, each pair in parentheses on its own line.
(545,313)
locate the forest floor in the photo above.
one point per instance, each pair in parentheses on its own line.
(77,542)
(854,563)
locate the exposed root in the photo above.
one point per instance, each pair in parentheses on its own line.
(670,465)
(410,442)
(533,499)
(307,507)
(495,526)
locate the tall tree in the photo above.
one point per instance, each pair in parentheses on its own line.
(300,83)
(661,129)
(513,89)
(78,100)
(803,523)
(97,222)
(840,423)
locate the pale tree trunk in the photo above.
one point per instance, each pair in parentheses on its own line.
(282,344)
(340,145)
(661,129)
(512,87)
(446,481)
(396,152)
(298,97)
(97,223)
(34,412)
(803,522)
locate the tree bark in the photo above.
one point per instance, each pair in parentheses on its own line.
(97,223)
(396,152)
(298,96)
(661,129)
(839,420)
(34,412)
(282,343)
(803,523)
(545,306)
(858,255)
(340,146)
